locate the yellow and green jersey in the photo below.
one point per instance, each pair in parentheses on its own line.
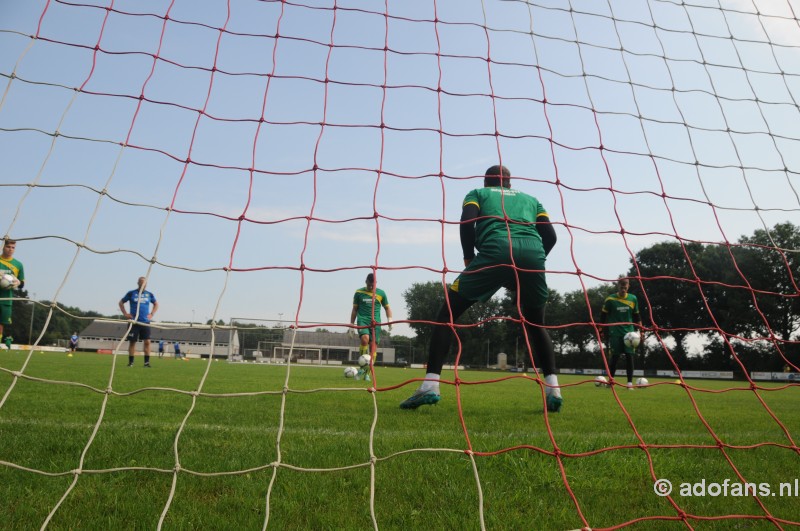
(366,309)
(496,204)
(619,310)
(13,266)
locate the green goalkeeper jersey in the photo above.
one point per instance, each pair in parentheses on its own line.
(363,300)
(620,310)
(14,267)
(495,204)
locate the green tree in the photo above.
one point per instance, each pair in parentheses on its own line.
(574,337)
(484,325)
(668,292)
(423,300)
(748,289)
(29,319)
(771,266)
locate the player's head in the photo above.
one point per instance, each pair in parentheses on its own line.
(370,281)
(497,176)
(8,248)
(142,282)
(623,285)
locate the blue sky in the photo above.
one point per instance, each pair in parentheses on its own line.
(731,111)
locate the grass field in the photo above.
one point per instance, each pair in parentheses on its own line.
(236,462)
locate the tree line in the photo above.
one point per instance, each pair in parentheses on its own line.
(30,318)
(737,303)
(739,298)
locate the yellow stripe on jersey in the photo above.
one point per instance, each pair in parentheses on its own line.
(471,203)
(378,298)
(626,302)
(11,267)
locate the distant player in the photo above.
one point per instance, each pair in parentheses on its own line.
(9,264)
(73,342)
(621,310)
(160,348)
(8,340)
(143,306)
(367,303)
(513,235)
(177,347)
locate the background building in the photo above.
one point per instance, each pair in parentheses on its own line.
(195,341)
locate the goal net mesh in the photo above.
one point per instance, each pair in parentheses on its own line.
(261,156)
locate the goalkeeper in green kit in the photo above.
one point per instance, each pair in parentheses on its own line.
(513,235)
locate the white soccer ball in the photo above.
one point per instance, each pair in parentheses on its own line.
(350,372)
(600,381)
(363,360)
(641,381)
(632,339)
(7,280)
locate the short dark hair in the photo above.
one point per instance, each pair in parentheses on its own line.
(370,278)
(497,175)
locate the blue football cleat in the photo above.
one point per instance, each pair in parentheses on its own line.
(420,398)
(554,403)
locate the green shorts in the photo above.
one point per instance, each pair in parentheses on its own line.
(492,269)
(373,333)
(617,345)
(5,314)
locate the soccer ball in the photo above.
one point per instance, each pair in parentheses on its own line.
(600,381)
(7,280)
(632,339)
(350,372)
(363,360)
(641,381)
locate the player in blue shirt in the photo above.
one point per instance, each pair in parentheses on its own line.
(73,342)
(178,355)
(160,348)
(143,306)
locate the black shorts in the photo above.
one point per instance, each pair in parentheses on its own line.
(139,332)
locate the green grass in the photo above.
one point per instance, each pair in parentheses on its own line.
(424,477)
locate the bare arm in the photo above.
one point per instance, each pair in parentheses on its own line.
(389,316)
(124,312)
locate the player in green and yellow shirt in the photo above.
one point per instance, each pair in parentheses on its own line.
(367,303)
(512,233)
(621,311)
(9,264)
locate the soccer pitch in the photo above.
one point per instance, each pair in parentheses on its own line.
(151,453)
